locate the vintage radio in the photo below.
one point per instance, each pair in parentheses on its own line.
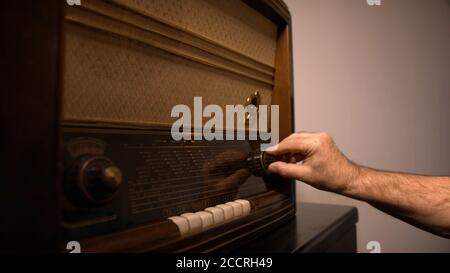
(105,170)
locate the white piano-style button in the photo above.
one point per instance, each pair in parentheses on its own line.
(194,220)
(217,213)
(182,224)
(245,206)
(238,209)
(207,219)
(228,211)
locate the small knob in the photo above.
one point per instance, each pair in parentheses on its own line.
(258,162)
(94,180)
(112,177)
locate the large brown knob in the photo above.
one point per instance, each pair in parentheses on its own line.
(94,180)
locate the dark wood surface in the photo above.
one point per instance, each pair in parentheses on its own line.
(316,228)
(30,122)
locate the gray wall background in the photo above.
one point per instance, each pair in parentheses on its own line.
(377,78)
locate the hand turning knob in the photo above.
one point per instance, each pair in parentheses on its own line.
(94,180)
(258,162)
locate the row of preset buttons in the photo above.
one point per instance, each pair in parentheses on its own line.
(196,222)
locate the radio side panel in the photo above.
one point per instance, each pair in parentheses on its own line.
(30,107)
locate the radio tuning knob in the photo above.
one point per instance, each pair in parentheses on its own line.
(258,162)
(111,177)
(94,180)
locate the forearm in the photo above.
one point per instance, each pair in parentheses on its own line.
(423,201)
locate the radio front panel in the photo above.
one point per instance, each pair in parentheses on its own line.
(127,185)
(155,178)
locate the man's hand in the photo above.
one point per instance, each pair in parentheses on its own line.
(423,201)
(315,159)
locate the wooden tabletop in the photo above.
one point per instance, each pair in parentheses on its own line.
(316,228)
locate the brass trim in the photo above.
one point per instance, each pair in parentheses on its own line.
(253,99)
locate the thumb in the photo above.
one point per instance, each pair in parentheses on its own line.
(291,170)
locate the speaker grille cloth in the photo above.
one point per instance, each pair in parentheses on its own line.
(113,79)
(230,23)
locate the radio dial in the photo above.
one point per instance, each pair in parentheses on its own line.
(94,180)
